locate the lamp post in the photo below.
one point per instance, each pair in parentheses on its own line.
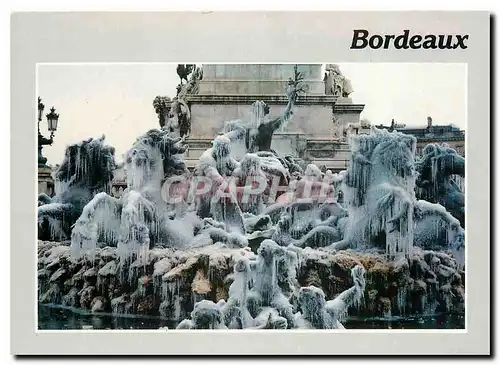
(52,120)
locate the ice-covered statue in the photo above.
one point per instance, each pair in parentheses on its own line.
(87,169)
(438,168)
(258,132)
(205,315)
(239,311)
(140,218)
(379,192)
(216,164)
(317,313)
(379,188)
(272,271)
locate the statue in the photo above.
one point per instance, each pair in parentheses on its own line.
(87,169)
(258,133)
(140,218)
(336,84)
(179,118)
(260,139)
(379,191)
(162,108)
(260,294)
(179,113)
(184,70)
(437,167)
(205,315)
(317,313)
(270,276)
(217,165)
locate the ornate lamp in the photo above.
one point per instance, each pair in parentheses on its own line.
(52,119)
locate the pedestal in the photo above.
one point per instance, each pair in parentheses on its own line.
(45,180)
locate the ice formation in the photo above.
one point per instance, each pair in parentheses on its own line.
(317,313)
(87,169)
(261,294)
(441,179)
(140,218)
(379,194)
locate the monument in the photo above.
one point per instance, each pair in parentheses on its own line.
(317,130)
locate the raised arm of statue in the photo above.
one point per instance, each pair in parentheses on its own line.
(350,297)
(294,88)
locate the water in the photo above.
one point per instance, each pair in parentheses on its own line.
(52,317)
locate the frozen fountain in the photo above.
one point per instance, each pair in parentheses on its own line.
(256,242)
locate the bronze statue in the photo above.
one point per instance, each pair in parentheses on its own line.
(162,105)
(259,139)
(184,70)
(336,83)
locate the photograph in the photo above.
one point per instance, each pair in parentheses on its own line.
(251,183)
(251,196)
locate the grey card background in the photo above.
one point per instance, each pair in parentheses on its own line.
(299,37)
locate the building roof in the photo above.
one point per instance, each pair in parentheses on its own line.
(434,132)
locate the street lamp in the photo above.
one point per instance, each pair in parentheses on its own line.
(52,120)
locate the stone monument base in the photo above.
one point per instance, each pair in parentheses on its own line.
(45,181)
(331,153)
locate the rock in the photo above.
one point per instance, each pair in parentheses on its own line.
(384,307)
(43,274)
(162,266)
(419,286)
(446,259)
(444,273)
(90,273)
(371,299)
(146,306)
(200,284)
(313,279)
(52,295)
(57,275)
(86,296)
(53,253)
(418,266)
(425,283)
(98,305)
(118,304)
(110,269)
(131,305)
(72,299)
(107,254)
(221,293)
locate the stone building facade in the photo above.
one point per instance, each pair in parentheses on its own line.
(432,133)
